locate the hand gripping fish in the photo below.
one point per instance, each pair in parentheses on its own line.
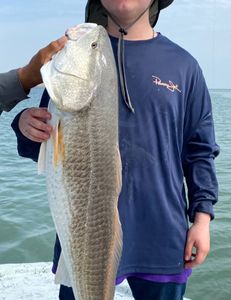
(82,162)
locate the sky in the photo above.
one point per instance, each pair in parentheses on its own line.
(202,27)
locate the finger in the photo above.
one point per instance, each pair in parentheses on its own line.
(34,133)
(40,125)
(189,264)
(37,140)
(188,250)
(38,134)
(200,257)
(27,134)
(192,263)
(34,139)
(196,259)
(60,42)
(32,127)
(41,113)
(53,47)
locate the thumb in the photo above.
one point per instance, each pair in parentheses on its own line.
(62,41)
(54,47)
(188,250)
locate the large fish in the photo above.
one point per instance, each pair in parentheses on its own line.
(82,162)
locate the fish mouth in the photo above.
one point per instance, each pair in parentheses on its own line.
(77,32)
(77,76)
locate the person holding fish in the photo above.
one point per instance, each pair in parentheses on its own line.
(15,85)
(166,135)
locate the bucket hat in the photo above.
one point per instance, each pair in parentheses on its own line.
(95,12)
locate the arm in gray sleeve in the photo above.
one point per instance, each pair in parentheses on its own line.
(11,90)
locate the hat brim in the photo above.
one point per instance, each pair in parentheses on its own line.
(95,12)
(165,3)
(155,9)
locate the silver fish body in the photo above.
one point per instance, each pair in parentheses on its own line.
(82,162)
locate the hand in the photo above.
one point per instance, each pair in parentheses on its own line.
(29,75)
(199,239)
(32,124)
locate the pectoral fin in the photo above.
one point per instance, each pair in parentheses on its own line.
(42,158)
(58,144)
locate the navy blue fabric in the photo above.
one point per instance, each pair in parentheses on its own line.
(170,136)
(66,293)
(148,290)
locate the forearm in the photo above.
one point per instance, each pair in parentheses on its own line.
(202,218)
(11,90)
(202,187)
(27,79)
(199,168)
(16,84)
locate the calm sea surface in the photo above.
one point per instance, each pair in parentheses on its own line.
(27,232)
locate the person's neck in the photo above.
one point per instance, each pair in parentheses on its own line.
(141,30)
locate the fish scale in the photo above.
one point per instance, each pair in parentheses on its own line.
(82,162)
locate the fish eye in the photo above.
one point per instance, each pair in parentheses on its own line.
(94,45)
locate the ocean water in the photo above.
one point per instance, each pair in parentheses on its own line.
(27,231)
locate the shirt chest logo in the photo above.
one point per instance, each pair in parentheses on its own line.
(170,85)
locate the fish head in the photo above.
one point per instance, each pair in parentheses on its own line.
(73,76)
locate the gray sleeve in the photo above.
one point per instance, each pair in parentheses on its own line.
(11,90)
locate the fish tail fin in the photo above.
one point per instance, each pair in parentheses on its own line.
(42,158)
(116,250)
(118,238)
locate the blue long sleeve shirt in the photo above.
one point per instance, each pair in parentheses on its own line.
(169,138)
